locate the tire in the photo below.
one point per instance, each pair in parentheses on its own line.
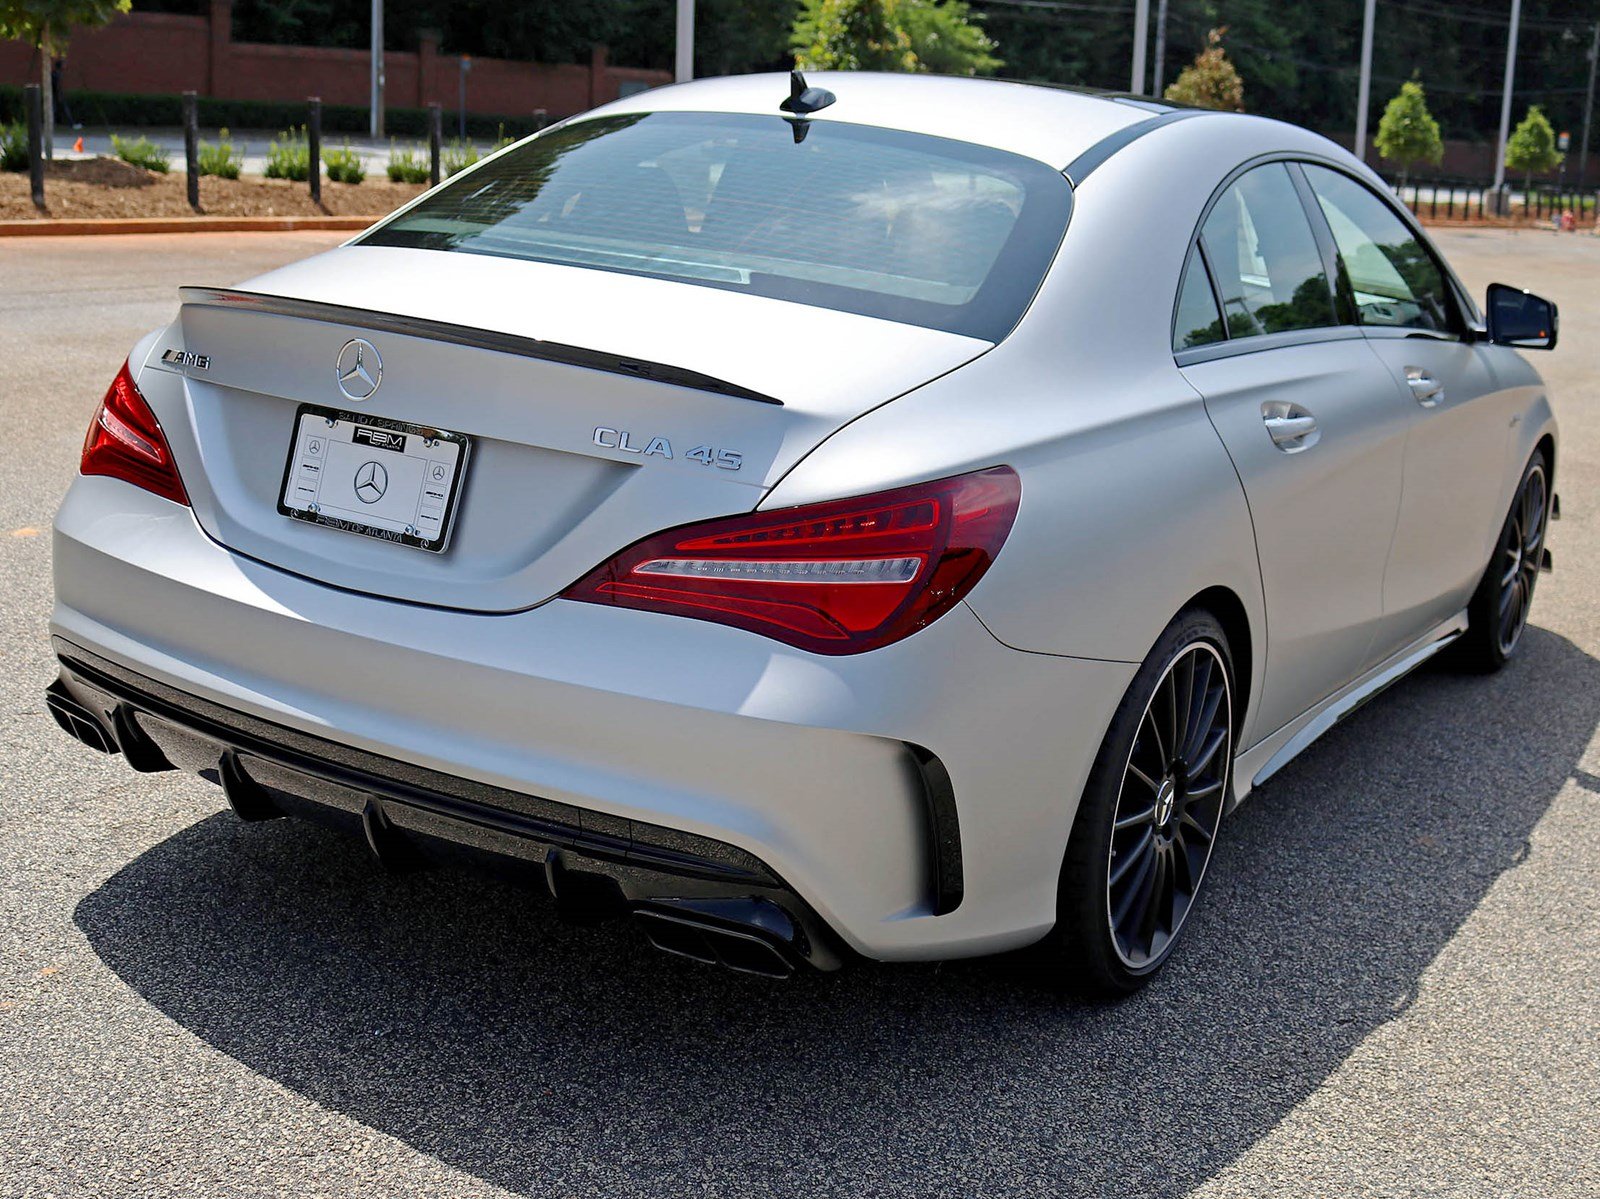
(1498,612)
(1149,816)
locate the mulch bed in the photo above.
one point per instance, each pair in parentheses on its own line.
(109,188)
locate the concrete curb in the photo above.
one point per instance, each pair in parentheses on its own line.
(80,226)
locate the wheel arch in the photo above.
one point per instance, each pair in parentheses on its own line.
(1224,603)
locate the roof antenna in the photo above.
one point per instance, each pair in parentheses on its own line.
(803,99)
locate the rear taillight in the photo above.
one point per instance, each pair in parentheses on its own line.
(838,577)
(125,441)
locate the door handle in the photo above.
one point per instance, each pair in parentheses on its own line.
(1290,426)
(1425,388)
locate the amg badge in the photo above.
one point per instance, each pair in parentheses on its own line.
(200,362)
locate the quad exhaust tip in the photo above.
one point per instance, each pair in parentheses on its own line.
(713,944)
(77,721)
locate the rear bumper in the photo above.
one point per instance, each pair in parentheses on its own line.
(593,865)
(915,800)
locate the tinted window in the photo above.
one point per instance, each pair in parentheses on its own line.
(1392,277)
(1260,246)
(890,224)
(1198,322)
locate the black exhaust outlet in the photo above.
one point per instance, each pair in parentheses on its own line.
(76,720)
(751,936)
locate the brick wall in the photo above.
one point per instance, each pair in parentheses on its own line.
(164,53)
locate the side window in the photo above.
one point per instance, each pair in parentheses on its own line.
(1198,322)
(1393,278)
(1261,247)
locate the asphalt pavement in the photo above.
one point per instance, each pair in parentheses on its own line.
(1392,987)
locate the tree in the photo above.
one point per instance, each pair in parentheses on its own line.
(1532,148)
(1408,134)
(46,25)
(1210,81)
(852,35)
(947,39)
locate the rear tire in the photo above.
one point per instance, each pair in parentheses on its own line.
(1149,816)
(1498,613)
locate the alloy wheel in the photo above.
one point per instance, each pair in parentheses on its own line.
(1174,787)
(1520,556)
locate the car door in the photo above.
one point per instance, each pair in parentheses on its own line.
(1459,435)
(1309,416)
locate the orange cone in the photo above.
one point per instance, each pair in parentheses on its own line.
(77,146)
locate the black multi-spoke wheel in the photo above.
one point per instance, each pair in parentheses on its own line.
(1150,813)
(1170,805)
(1498,614)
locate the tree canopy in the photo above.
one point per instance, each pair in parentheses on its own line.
(1531,149)
(1407,133)
(1211,80)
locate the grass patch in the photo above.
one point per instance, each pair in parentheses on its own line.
(409,165)
(13,147)
(142,153)
(344,166)
(289,156)
(220,158)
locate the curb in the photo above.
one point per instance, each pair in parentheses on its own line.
(80,226)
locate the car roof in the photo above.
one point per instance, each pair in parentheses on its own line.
(1054,125)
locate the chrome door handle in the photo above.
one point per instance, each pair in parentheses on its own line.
(1425,388)
(1290,426)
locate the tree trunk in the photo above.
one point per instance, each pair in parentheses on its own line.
(47,95)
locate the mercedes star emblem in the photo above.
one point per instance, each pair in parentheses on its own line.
(359,369)
(371,482)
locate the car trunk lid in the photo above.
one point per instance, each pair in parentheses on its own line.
(600,407)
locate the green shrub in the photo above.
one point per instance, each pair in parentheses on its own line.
(142,153)
(13,147)
(502,139)
(409,165)
(289,156)
(345,166)
(457,156)
(221,159)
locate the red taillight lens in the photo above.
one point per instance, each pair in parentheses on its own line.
(125,441)
(835,578)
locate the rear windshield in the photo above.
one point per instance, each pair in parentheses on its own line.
(911,228)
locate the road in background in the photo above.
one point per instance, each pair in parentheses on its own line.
(1392,987)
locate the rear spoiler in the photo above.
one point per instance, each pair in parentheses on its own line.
(466,335)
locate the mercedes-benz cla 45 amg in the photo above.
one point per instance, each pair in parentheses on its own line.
(858,516)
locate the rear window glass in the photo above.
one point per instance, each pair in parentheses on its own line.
(911,228)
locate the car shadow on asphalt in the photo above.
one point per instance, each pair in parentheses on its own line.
(456,1013)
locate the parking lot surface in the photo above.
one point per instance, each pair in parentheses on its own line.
(1392,988)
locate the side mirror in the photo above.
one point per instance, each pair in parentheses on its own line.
(1521,319)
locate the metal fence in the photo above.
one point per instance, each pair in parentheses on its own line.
(1446,198)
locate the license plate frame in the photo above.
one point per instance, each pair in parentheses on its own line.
(323,447)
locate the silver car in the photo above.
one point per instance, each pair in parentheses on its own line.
(860,516)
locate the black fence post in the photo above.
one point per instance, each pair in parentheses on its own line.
(191,147)
(435,136)
(35,142)
(314,146)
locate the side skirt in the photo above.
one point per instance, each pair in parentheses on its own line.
(1275,751)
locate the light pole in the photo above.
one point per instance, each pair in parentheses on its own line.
(1141,34)
(1505,108)
(377,68)
(1364,92)
(684,64)
(1159,76)
(1588,111)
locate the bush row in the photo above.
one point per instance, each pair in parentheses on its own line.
(119,109)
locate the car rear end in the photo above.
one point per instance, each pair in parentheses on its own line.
(469,536)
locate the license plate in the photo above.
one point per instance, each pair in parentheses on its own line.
(377,477)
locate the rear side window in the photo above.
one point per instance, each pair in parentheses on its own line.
(1198,322)
(1268,269)
(908,227)
(1393,278)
